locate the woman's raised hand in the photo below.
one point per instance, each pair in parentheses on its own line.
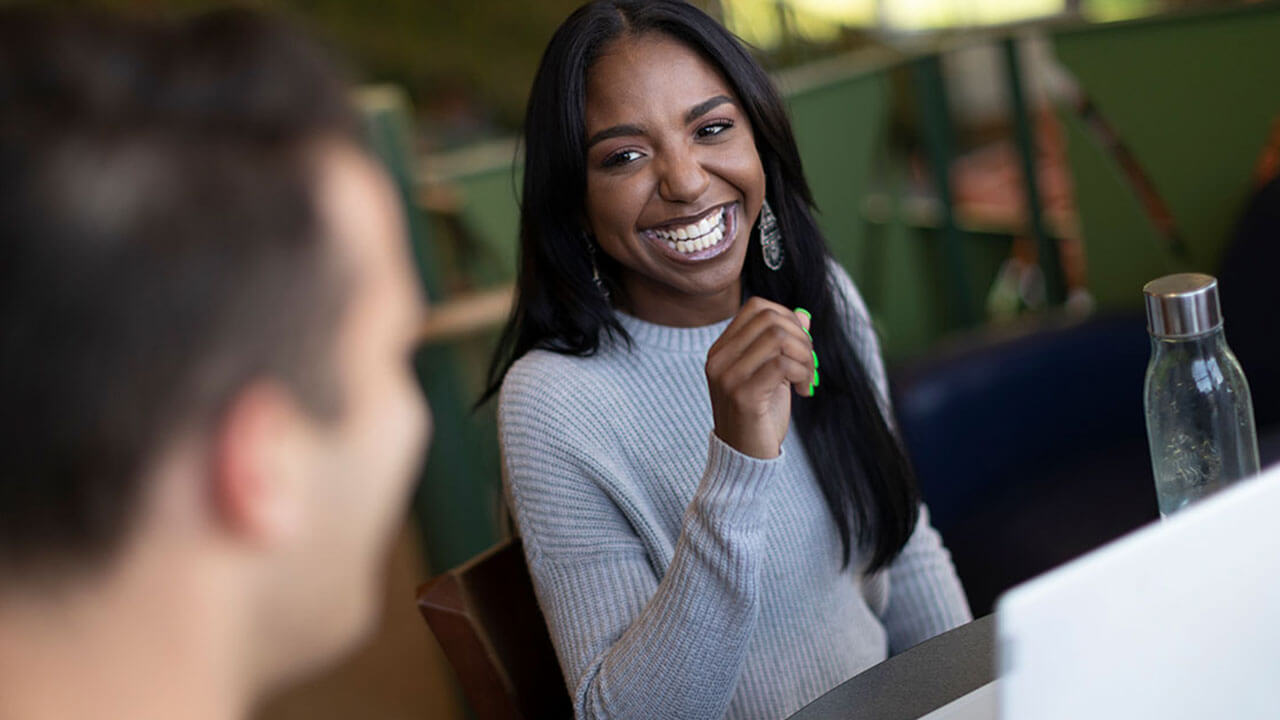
(751,370)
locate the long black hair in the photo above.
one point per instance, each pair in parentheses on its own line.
(862,469)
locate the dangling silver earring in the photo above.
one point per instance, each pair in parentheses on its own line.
(595,269)
(770,238)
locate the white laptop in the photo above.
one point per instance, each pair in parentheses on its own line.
(1180,619)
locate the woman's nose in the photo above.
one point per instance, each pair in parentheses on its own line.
(683,177)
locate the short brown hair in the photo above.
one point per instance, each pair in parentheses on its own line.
(159,247)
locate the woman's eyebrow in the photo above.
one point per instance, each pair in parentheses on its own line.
(705,107)
(613,132)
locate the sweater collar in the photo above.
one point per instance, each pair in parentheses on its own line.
(672,339)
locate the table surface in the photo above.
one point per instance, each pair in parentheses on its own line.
(915,682)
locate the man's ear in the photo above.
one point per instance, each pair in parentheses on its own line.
(259,464)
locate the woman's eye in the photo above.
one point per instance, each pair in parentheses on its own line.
(714,128)
(622,157)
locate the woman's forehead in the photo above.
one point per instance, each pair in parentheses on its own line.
(649,74)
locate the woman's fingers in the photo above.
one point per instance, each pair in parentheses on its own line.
(806,319)
(752,307)
(773,346)
(763,322)
(763,355)
(776,371)
(753,314)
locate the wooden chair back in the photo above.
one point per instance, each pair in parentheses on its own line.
(486,618)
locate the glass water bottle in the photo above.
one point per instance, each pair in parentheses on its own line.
(1199,414)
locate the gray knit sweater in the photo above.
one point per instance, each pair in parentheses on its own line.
(680,578)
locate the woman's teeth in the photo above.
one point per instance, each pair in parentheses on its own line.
(697,236)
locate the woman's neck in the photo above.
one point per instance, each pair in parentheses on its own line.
(660,306)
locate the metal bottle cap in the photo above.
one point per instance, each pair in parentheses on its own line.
(1182,305)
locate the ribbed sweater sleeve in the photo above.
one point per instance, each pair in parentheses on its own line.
(925,595)
(633,642)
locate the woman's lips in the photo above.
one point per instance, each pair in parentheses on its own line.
(698,241)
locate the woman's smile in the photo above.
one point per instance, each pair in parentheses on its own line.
(699,238)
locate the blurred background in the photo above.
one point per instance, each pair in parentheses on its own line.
(999,176)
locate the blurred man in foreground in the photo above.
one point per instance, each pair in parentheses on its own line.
(208,418)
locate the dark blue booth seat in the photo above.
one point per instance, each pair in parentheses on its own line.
(1250,295)
(1031,449)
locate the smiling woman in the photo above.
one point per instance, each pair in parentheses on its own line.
(672,175)
(676,303)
